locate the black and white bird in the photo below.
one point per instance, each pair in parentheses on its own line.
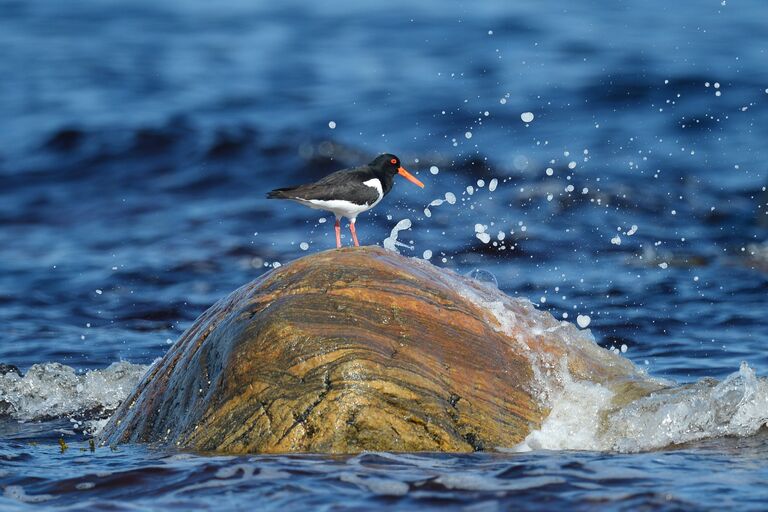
(349,192)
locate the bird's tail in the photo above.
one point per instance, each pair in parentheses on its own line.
(279,193)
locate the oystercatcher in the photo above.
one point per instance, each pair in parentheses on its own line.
(349,192)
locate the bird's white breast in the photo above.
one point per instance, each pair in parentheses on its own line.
(342,208)
(375,183)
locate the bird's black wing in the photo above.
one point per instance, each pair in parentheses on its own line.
(357,174)
(346,184)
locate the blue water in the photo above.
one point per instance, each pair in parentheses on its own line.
(138,141)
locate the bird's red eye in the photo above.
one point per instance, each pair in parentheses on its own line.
(394,161)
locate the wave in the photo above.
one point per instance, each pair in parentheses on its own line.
(49,391)
(758,254)
(596,398)
(620,409)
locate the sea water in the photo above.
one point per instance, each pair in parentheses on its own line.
(603,162)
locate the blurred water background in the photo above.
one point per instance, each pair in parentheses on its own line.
(606,160)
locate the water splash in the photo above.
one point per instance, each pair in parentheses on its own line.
(391,243)
(737,406)
(602,412)
(53,390)
(484,277)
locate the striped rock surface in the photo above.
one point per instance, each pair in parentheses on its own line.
(359,349)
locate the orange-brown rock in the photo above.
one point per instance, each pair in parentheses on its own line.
(358,349)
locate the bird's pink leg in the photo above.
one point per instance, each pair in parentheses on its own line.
(337,226)
(354,235)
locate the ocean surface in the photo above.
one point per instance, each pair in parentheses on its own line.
(606,160)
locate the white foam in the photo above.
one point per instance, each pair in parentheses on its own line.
(574,418)
(378,486)
(583,418)
(54,390)
(17,492)
(588,414)
(737,406)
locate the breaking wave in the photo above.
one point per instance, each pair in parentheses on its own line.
(597,399)
(53,390)
(622,408)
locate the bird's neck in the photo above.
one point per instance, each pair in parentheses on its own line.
(386,183)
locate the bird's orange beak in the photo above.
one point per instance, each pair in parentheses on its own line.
(410,177)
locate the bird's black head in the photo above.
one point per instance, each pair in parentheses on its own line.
(387,165)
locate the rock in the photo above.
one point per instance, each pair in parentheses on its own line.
(362,349)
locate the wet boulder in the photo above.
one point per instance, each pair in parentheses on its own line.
(361,349)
